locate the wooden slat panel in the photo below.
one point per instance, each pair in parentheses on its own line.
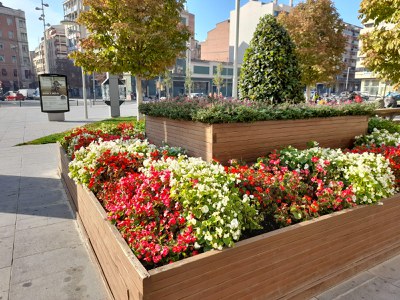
(271,133)
(272,243)
(290,123)
(249,141)
(281,256)
(123,271)
(291,275)
(111,246)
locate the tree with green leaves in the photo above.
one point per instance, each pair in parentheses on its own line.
(167,81)
(317,31)
(381,45)
(270,71)
(218,80)
(188,82)
(143,37)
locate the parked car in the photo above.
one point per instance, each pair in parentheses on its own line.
(28,93)
(14,96)
(36,94)
(395,95)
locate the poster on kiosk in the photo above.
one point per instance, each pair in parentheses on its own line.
(53,93)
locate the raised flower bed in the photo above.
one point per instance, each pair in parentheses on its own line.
(225,130)
(297,261)
(248,141)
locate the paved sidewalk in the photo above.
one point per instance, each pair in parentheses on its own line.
(42,254)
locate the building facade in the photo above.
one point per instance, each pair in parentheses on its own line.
(250,15)
(15,64)
(216,46)
(370,82)
(56,47)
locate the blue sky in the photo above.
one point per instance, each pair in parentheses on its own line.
(208,13)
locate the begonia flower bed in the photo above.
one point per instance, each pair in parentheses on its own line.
(186,219)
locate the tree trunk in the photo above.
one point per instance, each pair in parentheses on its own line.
(308,93)
(139,96)
(167,90)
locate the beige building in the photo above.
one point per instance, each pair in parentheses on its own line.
(15,64)
(56,47)
(250,15)
(370,83)
(346,81)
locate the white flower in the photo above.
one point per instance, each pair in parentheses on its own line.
(234,223)
(205,209)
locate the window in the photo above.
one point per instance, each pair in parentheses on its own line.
(1,33)
(26,61)
(9,21)
(27,74)
(25,48)
(201,70)
(1,46)
(22,23)
(10,34)
(15,73)
(14,59)
(24,36)
(4,72)
(2,58)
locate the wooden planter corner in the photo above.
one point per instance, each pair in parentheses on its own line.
(295,262)
(249,141)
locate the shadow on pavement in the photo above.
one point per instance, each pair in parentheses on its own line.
(34,196)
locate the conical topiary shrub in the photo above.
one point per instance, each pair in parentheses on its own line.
(270,70)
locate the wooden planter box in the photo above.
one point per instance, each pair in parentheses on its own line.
(295,262)
(248,141)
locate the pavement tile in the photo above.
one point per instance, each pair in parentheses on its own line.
(4,295)
(350,284)
(6,250)
(56,214)
(68,269)
(389,270)
(5,279)
(41,197)
(46,238)
(8,204)
(7,231)
(9,183)
(375,289)
(60,286)
(7,219)
(32,184)
(59,209)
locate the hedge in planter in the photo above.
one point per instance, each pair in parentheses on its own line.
(226,130)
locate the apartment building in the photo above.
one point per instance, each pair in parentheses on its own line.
(15,64)
(370,82)
(56,47)
(220,41)
(346,81)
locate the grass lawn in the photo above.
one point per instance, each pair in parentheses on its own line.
(53,138)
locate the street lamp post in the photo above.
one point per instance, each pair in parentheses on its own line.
(84,95)
(42,18)
(347,77)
